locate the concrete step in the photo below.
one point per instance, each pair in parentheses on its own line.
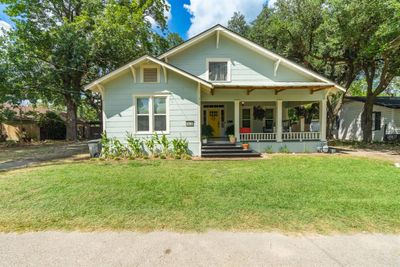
(221,147)
(231,155)
(224,150)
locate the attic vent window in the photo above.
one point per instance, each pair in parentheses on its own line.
(150,75)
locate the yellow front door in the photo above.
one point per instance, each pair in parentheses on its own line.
(213,119)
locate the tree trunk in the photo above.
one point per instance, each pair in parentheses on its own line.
(366,118)
(71,123)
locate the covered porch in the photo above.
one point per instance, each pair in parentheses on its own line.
(274,117)
(266,121)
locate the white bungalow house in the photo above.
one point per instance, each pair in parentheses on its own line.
(220,79)
(386,119)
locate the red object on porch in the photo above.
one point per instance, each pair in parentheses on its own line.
(245,130)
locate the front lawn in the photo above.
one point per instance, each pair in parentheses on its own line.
(285,193)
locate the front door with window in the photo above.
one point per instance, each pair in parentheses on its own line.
(214,120)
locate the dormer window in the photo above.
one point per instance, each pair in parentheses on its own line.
(218,70)
(150,74)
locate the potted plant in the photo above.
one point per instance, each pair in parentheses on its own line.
(245,146)
(204,140)
(232,139)
(258,113)
(206,132)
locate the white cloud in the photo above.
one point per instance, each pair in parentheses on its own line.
(207,13)
(4,26)
(271,3)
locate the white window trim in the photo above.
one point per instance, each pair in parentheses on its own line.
(251,116)
(151,115)
(144,66)
(229,66)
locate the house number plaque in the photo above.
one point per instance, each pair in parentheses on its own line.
(189,123)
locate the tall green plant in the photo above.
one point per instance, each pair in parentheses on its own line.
(105,146)
(164,142)
(135,145)
(118,149)
(180,147)
(151,144)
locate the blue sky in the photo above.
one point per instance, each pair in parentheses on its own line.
(190,17)
(3,16)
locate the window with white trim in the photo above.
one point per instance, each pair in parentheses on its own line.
(160,113)
(218,70)
(151,114)
(143,114)
(246,117)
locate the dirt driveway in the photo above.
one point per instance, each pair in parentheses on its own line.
(28,155)
(376,153)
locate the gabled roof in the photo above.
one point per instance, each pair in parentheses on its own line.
(384,101)
(236,37)
(154,60)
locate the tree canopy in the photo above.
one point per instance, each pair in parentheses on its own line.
(344,40)
(57,46)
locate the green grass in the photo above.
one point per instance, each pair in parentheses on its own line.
(286,193)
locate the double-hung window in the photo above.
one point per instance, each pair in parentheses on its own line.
(218,70)
(151,114)
(246,117)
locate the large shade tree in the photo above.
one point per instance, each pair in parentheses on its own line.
(341,39)
(56,46)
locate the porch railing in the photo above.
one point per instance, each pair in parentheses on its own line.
(300,136)
(257,136)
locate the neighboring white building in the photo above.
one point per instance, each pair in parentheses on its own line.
(386,117)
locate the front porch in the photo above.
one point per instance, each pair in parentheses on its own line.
(265,124)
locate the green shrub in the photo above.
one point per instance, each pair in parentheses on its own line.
(284,149)
(230,130)
(206,130)
(164,142)
(105,146)
(118,149)
(269,150)
(187,157)
(135,146)
(151,144)
(180,147)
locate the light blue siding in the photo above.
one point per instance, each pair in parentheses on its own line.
(183,106)
(292,147)
(247,67)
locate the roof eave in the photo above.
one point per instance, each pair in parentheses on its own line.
(139,60)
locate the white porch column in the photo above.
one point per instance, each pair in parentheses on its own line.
(322,119)
(279,120)
(237,120)
(302,122)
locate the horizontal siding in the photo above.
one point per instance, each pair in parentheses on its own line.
(350,121)
(182,92)
(248,67)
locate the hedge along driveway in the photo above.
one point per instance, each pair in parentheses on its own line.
(285,193)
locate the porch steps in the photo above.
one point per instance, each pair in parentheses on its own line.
(226,150)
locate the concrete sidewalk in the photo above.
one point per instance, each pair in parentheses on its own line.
(197,249)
